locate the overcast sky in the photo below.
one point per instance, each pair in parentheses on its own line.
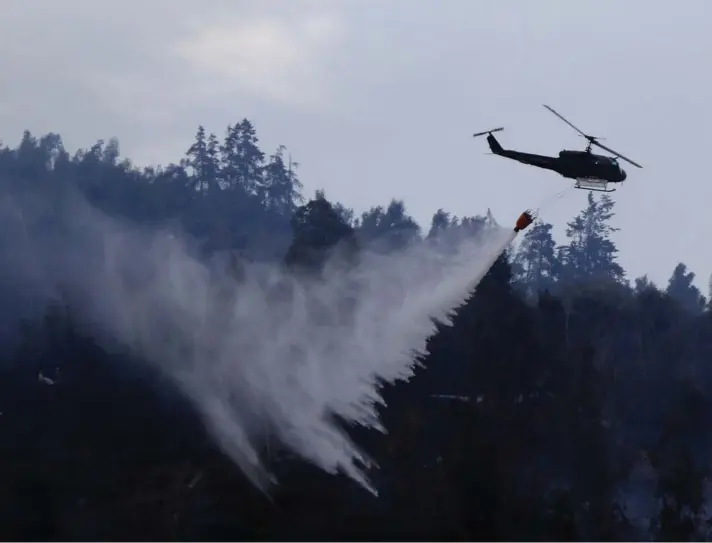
(378,98)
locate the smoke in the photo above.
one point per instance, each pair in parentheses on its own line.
(266,353)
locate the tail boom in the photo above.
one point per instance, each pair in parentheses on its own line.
(539,161)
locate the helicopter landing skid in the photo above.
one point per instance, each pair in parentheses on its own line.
(592,183)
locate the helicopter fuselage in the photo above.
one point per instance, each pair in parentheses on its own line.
(584,164)
(569,164)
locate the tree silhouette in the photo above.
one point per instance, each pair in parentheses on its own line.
(591,253)
(681,288)
(561,404)
(536,259)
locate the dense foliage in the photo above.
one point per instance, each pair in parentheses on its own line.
(564,402)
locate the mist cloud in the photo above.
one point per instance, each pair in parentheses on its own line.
(263,353)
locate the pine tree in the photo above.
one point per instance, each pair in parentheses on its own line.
(681,288)
(242,160)
(591,254)
(643,284)
(211,168)
(441,222)
(536,261)
(391,228)
(111,152)
(318,229)
(282,188)
(202,158)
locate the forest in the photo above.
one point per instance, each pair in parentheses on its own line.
(567,401)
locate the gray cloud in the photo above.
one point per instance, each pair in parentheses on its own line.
(378,99)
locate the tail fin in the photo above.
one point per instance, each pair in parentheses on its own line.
(495,147)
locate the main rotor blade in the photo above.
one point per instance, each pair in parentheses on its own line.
(616,153)
(566,121)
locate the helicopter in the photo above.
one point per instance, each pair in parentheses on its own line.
(591,171)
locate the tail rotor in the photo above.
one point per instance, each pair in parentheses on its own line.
(486,132)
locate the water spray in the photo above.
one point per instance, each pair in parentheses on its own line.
(267,351)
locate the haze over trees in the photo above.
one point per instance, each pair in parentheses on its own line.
(567,401)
